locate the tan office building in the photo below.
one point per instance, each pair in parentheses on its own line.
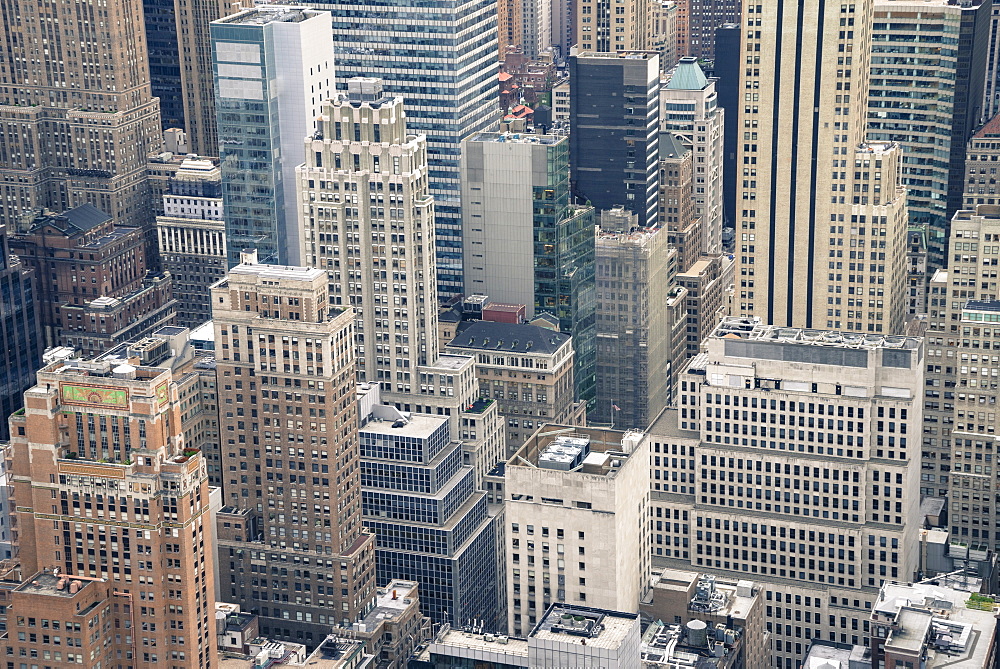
(821,216)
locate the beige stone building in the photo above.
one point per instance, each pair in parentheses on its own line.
(76,111)
(791,461)
(368,221)
(290,459)
(625,26)
(709,286)
(528,370)
(112,519)
(982,159)
(821,215)
(677,212)
(576,502)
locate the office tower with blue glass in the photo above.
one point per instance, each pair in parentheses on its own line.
(614,130)
(20,332)
(164,60)
(928,70)
(442,58)
(431,524)
(273,68)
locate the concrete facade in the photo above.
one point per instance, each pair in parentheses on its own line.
(581,536)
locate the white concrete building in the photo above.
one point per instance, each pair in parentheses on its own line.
(576,505)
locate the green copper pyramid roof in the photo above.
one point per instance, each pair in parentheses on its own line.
(688,76)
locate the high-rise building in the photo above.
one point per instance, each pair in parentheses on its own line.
(449,93)
(836,432)
(709,286)
(604,27)
(98,291)
(164,60)
(814,190)
(99,451)
(614,130)
(273,68)
(982,158)
(414,484)
(949,292)
(363,154)
(991,88)
(192,238)
(665,32)
(76,110)
(193,21)
(931,120)
(633,266)
(677,212)
(576,507)
(726,69)
(563,15)
(689,109)
(536,26)
(704,17)
(20,331)
(525,242)
(509,27)
(528,370)
(288,428)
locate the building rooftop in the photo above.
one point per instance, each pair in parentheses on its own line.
(277,272)
(828,655)
(265,14)
(671,146)
(518,138)
(595,451)
(456,638)
(75,220)
(390,602)
(943,622)
(509,338)
(990,129)
(51,585)
(687,76)
(448,362)
(418,426)
(571,624)
(752,329)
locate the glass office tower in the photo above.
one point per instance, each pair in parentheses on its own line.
(441,57)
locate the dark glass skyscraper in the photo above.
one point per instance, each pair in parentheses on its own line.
(614,130)
(164,60)
(20,333)
(441,57)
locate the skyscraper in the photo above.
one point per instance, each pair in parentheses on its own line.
(76,110)
(614,130)
(273,68)
(365,179)
(689,109)
(20,332)
(112,520)
(814,191)
(633,268)
(164,60)
(445,66)
(704,16)
(929,100)
(194,41)
(288,429)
